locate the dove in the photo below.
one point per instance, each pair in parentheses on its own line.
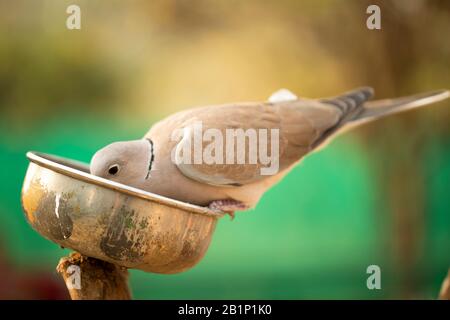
(301,126)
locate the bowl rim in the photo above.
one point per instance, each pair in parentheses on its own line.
(63,166)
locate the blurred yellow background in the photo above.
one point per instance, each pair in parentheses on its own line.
(378,195)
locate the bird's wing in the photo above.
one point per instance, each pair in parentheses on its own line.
(298,125)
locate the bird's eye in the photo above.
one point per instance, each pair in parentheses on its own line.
(113,169)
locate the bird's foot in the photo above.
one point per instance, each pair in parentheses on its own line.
(228,206)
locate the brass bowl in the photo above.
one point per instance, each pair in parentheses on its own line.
(113,222)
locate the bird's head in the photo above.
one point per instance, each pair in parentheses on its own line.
(127,162)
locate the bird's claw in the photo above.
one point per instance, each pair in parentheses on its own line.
(228,206)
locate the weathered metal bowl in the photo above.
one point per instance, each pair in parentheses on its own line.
(111,221)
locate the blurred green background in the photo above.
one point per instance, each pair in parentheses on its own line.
(377,195)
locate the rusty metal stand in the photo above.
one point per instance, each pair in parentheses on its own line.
(98,280)
(445,289)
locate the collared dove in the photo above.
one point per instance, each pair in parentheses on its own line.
(300,127)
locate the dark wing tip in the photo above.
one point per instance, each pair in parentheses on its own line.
(368,92)
(360,94)
(351,100)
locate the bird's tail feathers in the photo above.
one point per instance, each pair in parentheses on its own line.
(373,110)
